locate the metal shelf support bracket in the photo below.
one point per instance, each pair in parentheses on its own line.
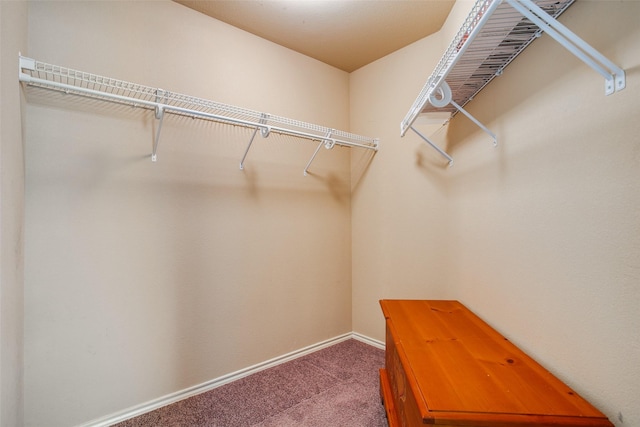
(476,121)
(25,63)
(435,147)
(441,97)
(160,117)
(264,131)
(614,76)
(327,142)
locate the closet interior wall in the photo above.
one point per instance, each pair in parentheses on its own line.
(540,235)
(145,278)
(142,279)
(13,37)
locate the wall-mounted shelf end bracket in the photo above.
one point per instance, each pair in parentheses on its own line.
(615,79)
(25,63)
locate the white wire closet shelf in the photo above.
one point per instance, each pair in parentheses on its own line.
(493,34)
(53,77)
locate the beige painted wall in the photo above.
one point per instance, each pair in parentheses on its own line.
(397,200)
(540,236)
(13,38)
(145,278)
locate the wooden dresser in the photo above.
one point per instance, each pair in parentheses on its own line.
(445,366)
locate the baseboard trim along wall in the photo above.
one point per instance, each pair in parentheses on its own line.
(217,382)
(365,339)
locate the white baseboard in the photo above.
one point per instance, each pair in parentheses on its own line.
(217,382)
(365,339)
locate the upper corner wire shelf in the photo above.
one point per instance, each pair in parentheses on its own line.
(62,79)
(493,34)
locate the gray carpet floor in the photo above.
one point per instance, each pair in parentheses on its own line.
(336,386)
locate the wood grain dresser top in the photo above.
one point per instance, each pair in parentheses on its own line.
(460,365)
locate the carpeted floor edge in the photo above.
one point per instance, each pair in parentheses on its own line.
(169,399)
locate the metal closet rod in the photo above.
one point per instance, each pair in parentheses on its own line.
(327,137)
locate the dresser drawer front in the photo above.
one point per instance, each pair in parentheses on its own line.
(407,412)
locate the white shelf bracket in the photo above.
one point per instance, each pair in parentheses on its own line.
(476,121)
(160,117)
(328,142)
(25,63)
(441,97)
(264,131)
(159,113)
(160,96)
(614,76)
(435,147)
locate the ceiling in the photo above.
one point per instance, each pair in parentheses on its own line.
(346,34)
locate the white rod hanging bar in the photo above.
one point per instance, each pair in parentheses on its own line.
(572,43)
(438,149)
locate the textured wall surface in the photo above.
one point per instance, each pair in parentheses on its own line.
(143,279)
(13,39)
(539,236)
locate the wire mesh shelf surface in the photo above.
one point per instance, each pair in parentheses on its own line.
(493,34)
(54,77)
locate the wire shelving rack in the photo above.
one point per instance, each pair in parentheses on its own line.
(54,77)
(494,33)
